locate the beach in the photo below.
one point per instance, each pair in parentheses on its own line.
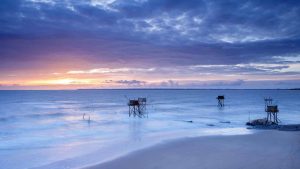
(149,84)
(265,149)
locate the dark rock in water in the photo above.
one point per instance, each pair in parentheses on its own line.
(264,124)
(210,124)
(257,122)
(290,127)
(189,121)
(265,127)
(225,122)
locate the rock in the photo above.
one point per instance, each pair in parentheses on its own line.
(264,124)
(257,122)
(189,121)
(290,127)
(225,122)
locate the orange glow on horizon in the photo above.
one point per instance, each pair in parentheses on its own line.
(123,77)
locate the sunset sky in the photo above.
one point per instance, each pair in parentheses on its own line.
(74,44)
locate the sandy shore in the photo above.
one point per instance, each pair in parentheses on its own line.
(263,150)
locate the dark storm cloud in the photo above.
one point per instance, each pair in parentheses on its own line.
(213,20)
(148,9)
(161,32)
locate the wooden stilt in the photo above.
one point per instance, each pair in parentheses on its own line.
(221,101)
(137,107)
(271,110)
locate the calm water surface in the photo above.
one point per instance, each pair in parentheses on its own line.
(45,128)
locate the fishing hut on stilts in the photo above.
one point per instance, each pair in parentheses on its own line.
(272,111)
(137,107)
(221,101)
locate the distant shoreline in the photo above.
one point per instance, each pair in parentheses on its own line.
(137,89)
(182,89)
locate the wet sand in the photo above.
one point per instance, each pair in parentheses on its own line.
(269,149)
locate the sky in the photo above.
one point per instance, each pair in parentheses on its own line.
(219,44)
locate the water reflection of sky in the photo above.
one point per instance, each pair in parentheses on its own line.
(56,130)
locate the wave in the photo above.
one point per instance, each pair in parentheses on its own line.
(33,116)
(58,114)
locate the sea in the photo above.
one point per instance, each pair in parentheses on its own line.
(77,128)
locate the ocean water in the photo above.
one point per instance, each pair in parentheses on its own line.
(46,129)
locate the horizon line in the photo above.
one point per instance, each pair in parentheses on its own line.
(149,89)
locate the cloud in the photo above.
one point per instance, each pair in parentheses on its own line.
(223,84)
(163,21)
(110,70)
(9,85)
(169,84)
(131,83)
(251,68)
(176,37)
